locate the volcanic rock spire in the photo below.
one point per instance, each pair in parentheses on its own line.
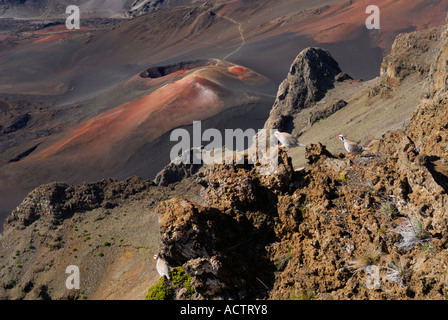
(311,75)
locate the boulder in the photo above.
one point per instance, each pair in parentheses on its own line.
(311,75)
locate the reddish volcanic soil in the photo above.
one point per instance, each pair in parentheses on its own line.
(55,33)
(60,28)
(280,27)
(177,103)
(341,21)
(53,37)
(122,140)
(197,91)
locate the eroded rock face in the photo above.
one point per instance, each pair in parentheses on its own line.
(222,244)
(315,151)
(180,168)
(412,53)
(58,201)
(311,74)
(327,111)
(429,123)
(351,211)
(324,230)
(222,253)
(319,230)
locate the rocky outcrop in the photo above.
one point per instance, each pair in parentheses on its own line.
(353,224)
(321,114)
(222,244)
(320,231)
(370,228)
(311,74)
(217,250)
(17,123)
(57,201)
(173,173)
(109,229)
(184,166)
(429,123)
(140,7)
(411,54)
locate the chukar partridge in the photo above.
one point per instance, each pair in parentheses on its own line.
(162,267)
(287,140)
(351,146)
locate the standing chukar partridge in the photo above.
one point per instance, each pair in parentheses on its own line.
(351,146)
(162,267)
(287,140)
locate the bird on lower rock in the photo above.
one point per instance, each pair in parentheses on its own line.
(351,146)
(287,140)
(162,266)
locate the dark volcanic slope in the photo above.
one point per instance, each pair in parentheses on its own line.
(282,28)
(265,37)
(131,136)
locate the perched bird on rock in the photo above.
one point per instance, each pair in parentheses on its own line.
(162,267)
(351,146)
(287,140)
